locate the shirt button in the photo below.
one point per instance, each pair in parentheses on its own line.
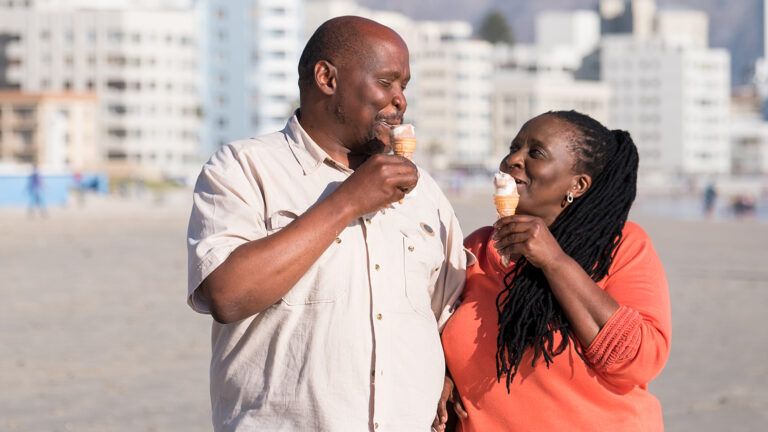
(368,221)
(338,240)
(375,425)
(411,248)
(377,267)
(379,316)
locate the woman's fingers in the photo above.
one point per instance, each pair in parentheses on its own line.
(510,240)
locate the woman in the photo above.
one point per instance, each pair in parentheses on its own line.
(566,337)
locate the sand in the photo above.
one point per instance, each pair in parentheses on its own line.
(96,334)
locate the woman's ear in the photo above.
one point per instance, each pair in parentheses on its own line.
(581,184)
(325,77)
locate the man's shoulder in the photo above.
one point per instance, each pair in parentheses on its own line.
(255,148)
(259,144)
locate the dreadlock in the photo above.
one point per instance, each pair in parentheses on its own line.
(588,230)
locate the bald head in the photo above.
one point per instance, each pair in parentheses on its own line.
(340,40)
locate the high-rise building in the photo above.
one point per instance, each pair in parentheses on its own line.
(532,79)
(683,27)
(674,100)
(519,95)
(567,36)
(628,16)
(761,66)
(250,51)
(141,65)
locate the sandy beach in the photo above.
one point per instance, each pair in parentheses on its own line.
(96,334)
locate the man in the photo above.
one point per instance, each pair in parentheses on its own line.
(327,292)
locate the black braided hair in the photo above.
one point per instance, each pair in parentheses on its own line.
(588,230)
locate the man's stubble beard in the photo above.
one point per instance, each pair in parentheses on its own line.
(371,144)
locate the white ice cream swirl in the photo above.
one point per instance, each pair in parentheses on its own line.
(505,184)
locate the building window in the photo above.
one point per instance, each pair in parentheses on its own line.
(116,60)
(117,109)
(116,84)
(115,36)
(117,132)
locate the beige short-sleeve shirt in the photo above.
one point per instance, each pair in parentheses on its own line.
(355,344)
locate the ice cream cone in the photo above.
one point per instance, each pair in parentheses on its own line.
(506,197)
(506,204)
(404,147)
(404,140)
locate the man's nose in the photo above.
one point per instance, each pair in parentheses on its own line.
(399,101)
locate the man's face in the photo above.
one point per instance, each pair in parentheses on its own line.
(370,99)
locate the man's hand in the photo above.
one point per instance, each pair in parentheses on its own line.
(449,394)
(378,182)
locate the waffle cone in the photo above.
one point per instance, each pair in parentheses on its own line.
(404,147)
(506,204)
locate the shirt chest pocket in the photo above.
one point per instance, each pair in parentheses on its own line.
(316,285)
(422,260)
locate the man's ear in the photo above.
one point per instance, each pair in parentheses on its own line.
(581,184)
(325,77)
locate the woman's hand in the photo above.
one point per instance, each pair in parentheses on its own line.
(528,236)
(449,394)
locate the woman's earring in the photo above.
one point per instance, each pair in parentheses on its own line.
(569,197)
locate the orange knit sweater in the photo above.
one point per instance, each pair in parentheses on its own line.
(608,393)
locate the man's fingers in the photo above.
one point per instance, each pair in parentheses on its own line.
(458,407)
(442,411)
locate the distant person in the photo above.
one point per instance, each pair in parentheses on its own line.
(79,188)
(743,205)
(328,293)
(35,189)
(710,196)
(569,334)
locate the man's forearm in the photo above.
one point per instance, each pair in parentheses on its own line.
(257,274)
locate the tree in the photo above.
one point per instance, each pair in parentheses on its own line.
(494,28)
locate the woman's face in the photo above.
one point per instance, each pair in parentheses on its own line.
(541,162)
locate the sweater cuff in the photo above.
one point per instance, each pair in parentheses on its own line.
(618,340)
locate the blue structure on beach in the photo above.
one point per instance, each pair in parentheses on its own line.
(56,188)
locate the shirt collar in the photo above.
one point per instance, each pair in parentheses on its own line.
(306,151)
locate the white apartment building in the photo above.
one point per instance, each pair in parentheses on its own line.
(761,66)
(142,66)
(519,95)
(566,37)
(451,103)
(532,79)
(749,141)
(628,16)
(250,51)
(683,28)
(674,100)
